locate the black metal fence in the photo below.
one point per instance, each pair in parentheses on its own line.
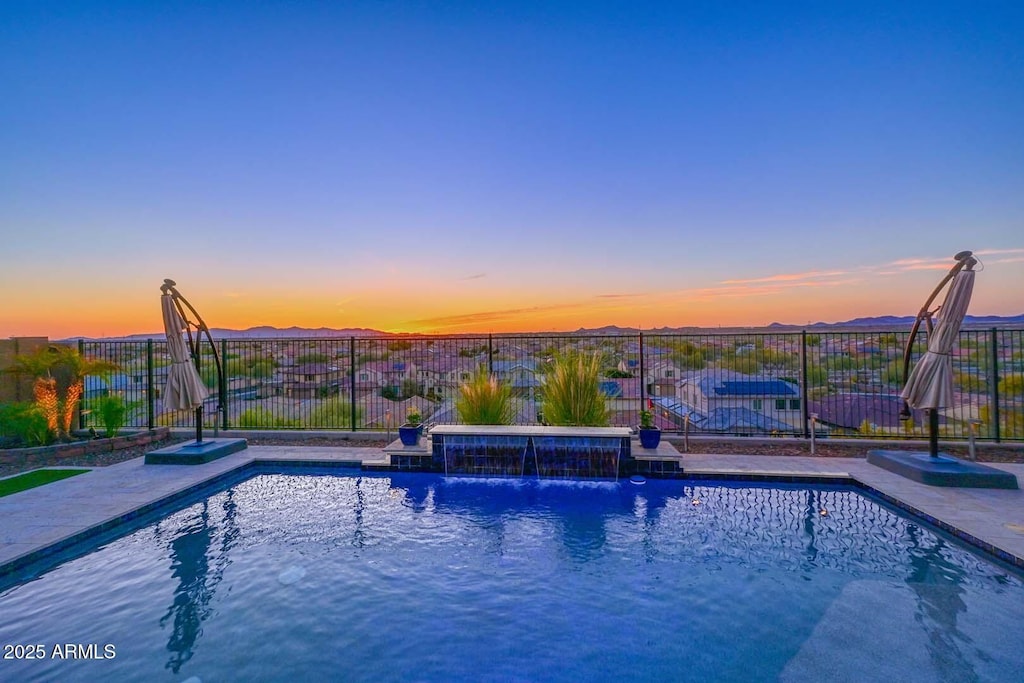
(836,383)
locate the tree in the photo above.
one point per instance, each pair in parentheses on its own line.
(817,376)
(747,364)
(1012,386)
(334,413)
(60,381)
(892,374)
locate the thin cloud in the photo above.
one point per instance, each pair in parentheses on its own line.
(617,296)
(475,276)
(764,289)
(788,277)
(935,265)
(485,316)
(908,262)
(947,262)
(998,252)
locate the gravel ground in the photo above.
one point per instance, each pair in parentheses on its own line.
(1002,453)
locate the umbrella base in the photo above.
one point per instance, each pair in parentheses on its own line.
(942,470)
(192,453)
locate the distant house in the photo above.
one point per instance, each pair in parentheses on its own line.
(520,375)
(630,365)
(661,376)
(389,374)
(725,401)
(442,376)
(622,397)
(311,380)
(128,384)
(852,410)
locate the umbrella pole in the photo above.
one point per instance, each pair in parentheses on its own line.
(169,287)
(933,432)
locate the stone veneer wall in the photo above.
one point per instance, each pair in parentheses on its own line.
(88,447)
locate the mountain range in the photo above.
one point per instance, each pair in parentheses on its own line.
(886,321)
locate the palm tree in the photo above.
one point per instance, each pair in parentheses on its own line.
(60,381)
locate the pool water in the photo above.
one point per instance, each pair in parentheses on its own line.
(421,578)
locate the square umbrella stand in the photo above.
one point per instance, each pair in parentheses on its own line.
(195,452)
(942,470)
(930,386)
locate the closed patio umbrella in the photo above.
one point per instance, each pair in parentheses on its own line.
(930,385)
(185,389)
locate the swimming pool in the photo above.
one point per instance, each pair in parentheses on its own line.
(415,577)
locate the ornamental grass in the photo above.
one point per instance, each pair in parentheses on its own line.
(484,400)
(572,391)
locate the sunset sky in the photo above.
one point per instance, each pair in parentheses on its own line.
(486,167)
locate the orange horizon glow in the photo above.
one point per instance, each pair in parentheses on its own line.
(415,304)
(788,298)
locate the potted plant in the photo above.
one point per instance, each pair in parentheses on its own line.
(650,435)
(410,432)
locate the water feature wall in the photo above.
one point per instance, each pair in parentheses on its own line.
(485,455)
(544,452)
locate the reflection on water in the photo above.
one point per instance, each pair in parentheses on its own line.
(937,584)
(517,577)
(197,572)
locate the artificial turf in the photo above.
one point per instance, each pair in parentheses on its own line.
(30,480)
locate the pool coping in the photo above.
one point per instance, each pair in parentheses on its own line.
(949,510)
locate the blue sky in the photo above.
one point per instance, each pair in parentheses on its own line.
(478,166)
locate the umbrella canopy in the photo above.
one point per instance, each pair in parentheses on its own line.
(185,389)
(930,385)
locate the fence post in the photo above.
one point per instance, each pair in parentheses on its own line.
(352,379)
(643,376)
(223,388)
(806,413)
(150,397)
(81,403)
(490,354)
(994,383)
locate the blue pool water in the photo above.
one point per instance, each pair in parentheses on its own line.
(418,578)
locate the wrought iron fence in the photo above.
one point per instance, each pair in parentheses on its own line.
(840,384)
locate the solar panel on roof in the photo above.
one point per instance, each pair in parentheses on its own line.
(755,388)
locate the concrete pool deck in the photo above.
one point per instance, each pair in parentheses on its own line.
(63,511)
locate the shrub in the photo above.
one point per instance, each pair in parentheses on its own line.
(113,413)
(263,418)
(572,392)
(333,413)
(23,424)
(483,400)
